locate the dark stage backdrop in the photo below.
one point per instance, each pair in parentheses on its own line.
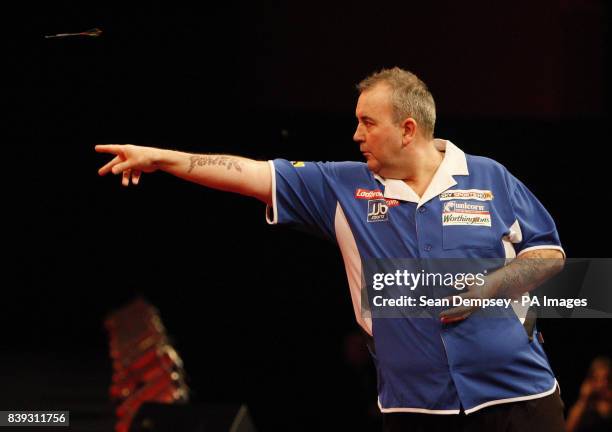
(262,314)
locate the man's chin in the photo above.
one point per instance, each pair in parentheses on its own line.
(373,166)
(376,168)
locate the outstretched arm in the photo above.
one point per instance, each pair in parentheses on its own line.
(228,173)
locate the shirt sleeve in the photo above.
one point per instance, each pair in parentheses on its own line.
(534,227)
(303,196)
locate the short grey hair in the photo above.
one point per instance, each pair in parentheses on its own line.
(409,95)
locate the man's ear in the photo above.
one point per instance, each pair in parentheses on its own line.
(409,130)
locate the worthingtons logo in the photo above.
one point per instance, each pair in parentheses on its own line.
(469,194)
(366,194)
(463,213)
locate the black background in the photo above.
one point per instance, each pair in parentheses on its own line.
(262,314)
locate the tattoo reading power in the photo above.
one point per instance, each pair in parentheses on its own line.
(227,161)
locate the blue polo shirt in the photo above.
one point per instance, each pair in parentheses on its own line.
(473,208)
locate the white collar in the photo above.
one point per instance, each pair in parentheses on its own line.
(454,163)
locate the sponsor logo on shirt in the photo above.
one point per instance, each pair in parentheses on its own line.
(368,194)
(392,202)
(298,164)
(466,213)
(375,194)
(378,210)
(469,194)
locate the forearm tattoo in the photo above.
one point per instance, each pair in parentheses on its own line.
(227,161)
(519,274)
(523,274)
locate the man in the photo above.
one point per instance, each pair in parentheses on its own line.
(423,198)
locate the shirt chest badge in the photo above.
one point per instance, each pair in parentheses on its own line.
(467,194)
(378,210)
(378,205)
(475,213)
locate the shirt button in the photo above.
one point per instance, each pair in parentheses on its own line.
(427,247)
(422,209)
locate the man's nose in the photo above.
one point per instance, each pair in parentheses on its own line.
(358,135)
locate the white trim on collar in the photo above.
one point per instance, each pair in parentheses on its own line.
(454,163)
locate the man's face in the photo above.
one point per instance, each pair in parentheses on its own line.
(378,135)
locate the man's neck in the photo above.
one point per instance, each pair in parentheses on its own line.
(422,163)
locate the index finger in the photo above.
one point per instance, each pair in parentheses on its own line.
(453,319)
(455,313)
(108,148)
